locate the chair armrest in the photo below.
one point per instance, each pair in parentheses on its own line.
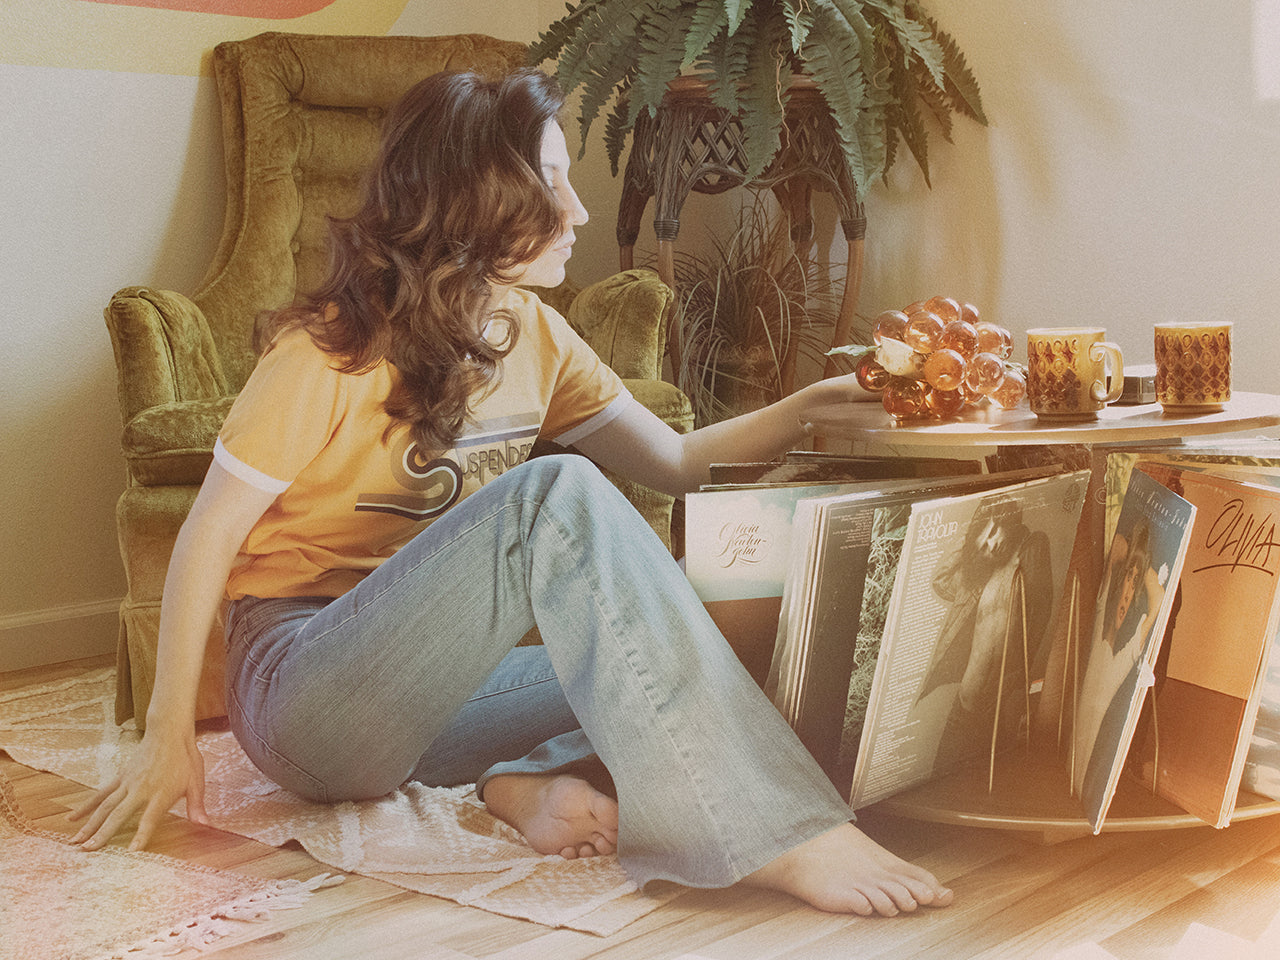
(624,319)
(172,443)
(164,350)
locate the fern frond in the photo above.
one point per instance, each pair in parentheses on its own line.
(799,17)
(607,33)
(939,106)
(600,55)
(612,64)
(725,65)
(848,15)
(616,128)
(833,54)
(875,89)
(891,145)
(905,120)
(961,86)
(762,106)
(661,54)
(873,144)
(736,10)
(906,80)
(882,65)
(927,50)
(598,90)
(912,35)
(558,34)
(709,18)
(577,57)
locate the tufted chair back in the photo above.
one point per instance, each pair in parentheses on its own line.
(300,122)
(306,112)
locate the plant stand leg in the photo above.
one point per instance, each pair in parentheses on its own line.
(855,232)
(667,271)
(796,199)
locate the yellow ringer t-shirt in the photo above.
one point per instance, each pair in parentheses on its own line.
(346,500)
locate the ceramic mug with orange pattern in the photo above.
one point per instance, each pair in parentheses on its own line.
(1193,366)
(1072,372)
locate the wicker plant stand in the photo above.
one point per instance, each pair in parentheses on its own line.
(694,145)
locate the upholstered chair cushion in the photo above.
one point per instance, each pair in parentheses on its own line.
(173,442)
(164,350)
(607,315)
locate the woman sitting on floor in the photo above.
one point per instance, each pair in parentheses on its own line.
(377,592)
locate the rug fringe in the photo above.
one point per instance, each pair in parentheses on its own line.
(198,933)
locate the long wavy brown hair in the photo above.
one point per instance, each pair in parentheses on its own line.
(454,203)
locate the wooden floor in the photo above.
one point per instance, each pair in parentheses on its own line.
(1134,895)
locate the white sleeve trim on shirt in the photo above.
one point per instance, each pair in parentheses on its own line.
(242,471)
(610,413)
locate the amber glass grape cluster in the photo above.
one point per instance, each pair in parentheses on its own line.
(935,357)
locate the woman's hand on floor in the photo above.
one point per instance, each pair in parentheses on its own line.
(164,768)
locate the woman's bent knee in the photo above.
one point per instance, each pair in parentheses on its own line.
(569,468)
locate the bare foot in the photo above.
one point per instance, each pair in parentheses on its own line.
(556,813)
(845,871)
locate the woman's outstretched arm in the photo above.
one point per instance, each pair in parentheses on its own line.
(167,765)
(641,447)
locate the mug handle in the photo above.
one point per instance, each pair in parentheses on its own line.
(1098,351)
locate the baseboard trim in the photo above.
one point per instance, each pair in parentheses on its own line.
(57,634)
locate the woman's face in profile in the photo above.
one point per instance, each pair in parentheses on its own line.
(547,269)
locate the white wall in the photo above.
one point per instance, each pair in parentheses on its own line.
(107,181)
(1129,175)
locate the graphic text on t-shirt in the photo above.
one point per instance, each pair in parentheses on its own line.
(431,485)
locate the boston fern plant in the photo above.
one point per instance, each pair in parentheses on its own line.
(881,65)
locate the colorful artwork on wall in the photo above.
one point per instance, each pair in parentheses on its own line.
(258,9)
(170,36)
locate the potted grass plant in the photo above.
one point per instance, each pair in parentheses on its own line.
(882,66)
(750,309)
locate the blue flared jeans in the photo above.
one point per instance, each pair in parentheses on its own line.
(414,675)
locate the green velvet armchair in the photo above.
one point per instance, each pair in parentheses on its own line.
(300,122)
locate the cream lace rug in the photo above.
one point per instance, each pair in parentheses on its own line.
(432,840)
(56,901)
